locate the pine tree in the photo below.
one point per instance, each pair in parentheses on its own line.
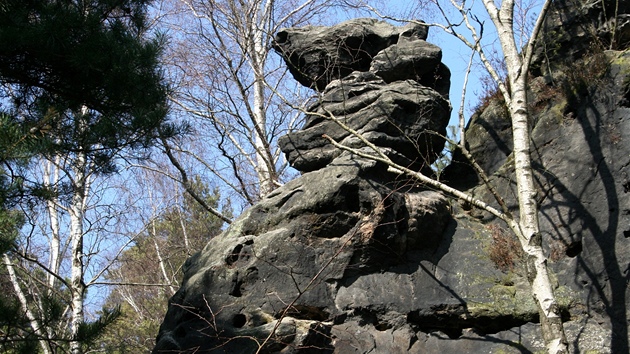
(80,83)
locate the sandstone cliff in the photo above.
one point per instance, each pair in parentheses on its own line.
(349,258)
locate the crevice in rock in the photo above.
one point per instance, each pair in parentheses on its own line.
(304,312)
(233,257)
(239,320)
(236,286)
(573,249)
(240,252)
(453,319)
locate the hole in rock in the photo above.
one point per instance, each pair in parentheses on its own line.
(282,37)
(233,257)
(573,249)
(239,320)
(451,320)
(452,333)
(236,290)
(180,331)
(236,286)
(382,326)
(626,233)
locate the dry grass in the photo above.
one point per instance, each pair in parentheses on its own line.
(504,251)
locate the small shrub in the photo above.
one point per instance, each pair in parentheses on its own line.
(491,93)
(588,71)
(504,251)
(556,251)
(544,94)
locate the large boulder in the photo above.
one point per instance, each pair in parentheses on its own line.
(289,265)
(316,55)
(385,82)
(351,258)
(404,116)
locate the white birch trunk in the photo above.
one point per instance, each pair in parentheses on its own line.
(80,189)
(51,177)
(37,328)
(167,280)
(77,212)
(184,230)
(531,240)
(265,166)
(528,226)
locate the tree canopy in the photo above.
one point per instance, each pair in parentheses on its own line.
(80,82)
(66,55)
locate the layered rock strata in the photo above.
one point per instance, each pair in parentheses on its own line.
(299,262)
(386,83)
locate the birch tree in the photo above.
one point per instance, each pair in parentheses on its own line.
(226,83)
(147,274)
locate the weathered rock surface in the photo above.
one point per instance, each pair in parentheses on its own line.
(577,28)
(386,82)
(582,165)
(297,256)
(317,55)
(404,116)
(348,258)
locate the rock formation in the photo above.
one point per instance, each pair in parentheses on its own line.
(349,258)
(386,82)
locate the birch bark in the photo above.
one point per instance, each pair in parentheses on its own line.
(37,327)
(77,212)
(80,180)
(517,65)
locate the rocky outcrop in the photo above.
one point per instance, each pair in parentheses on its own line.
(317,55)
(582,164)
(577,28)
(291,273)
(404,116)
(349,258)
(386,82)
(289,265)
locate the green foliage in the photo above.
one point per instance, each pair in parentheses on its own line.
(10,222)
(75,77)
(12,324)
(89,332)
(61,56)
(15,150)
(16,333)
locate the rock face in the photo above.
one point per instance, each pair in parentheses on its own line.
(317,55)
(349,258)
(386,82)
(403,116)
